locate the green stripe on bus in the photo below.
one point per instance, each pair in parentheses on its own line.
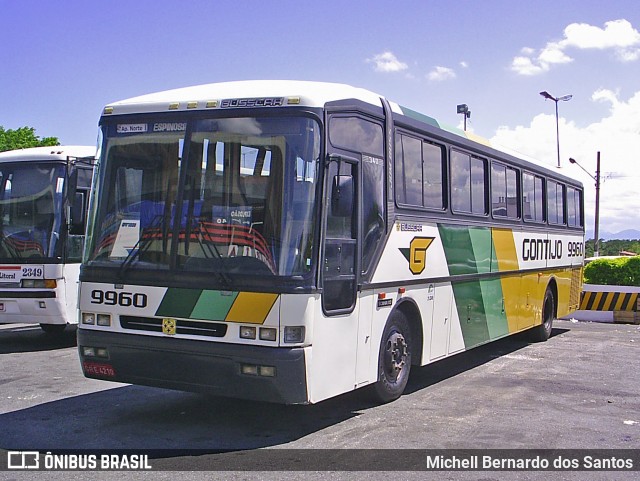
(482,248)
(419,116)
(458,249)
(470,305)
(178,302)
(494,308)
(470,250)
(480,310)
(213,305)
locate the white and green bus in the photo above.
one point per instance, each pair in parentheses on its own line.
(44,194)
(291,241)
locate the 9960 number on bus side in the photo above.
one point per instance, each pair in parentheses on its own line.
(123,299)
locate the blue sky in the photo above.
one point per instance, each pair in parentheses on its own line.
(61,62)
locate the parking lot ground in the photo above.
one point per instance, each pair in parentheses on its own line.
(578,390)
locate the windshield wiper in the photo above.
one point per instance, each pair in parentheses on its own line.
(213,253)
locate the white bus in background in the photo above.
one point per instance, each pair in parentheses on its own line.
(43,205)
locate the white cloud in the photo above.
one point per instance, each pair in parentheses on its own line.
(464,64)
(438,74)
(553,54)
(525,66)
(616,137)
(605,95)
(617,35)
(387,62)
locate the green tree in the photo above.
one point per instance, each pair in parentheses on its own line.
(612,247)
(23,138)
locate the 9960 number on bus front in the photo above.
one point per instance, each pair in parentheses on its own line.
(123,299)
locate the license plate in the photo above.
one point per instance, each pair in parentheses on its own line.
(98,369)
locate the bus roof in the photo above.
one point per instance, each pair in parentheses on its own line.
(56,152)
(284,93)
(212,96)
(296,93)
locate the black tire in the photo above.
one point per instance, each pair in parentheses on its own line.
(543,331)
(394,359)
(53,328)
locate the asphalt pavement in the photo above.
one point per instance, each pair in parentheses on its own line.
(579,390)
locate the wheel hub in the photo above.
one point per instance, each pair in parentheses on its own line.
(396,354)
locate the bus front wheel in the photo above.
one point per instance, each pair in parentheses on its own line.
(394,359)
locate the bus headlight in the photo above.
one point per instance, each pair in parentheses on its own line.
(91,318)
(267,371)
(247,332)
(39,283)
(294,334)
(254,370)
(268,334)
(101,352)
(103,319)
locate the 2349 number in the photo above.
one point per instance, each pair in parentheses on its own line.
(35,272)
(113,298)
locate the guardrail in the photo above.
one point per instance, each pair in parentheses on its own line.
(623,301)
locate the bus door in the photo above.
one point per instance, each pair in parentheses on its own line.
(354,226)
(340,241)
(336,331)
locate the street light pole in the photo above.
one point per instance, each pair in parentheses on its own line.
(464,110)
(596,242)
(564,98)
(596,178)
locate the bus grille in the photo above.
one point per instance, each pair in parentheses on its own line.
(192,328)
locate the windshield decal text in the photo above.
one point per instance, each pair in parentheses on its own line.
(169,126)
(131,128)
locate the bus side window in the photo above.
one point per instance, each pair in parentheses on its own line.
(339,265)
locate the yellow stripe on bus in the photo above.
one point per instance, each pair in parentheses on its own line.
(505,251)
(251,307)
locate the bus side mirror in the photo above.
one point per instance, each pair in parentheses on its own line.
(72,185)
(76,214)
(342,196)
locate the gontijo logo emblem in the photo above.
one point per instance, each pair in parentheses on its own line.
(416,254)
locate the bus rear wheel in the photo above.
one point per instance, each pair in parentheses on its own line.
(394,359)
(53,328)
(543,331)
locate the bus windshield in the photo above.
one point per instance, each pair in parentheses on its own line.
(232,196)
(30,211)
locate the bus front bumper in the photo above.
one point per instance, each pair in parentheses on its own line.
(32,306)
(197,366)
